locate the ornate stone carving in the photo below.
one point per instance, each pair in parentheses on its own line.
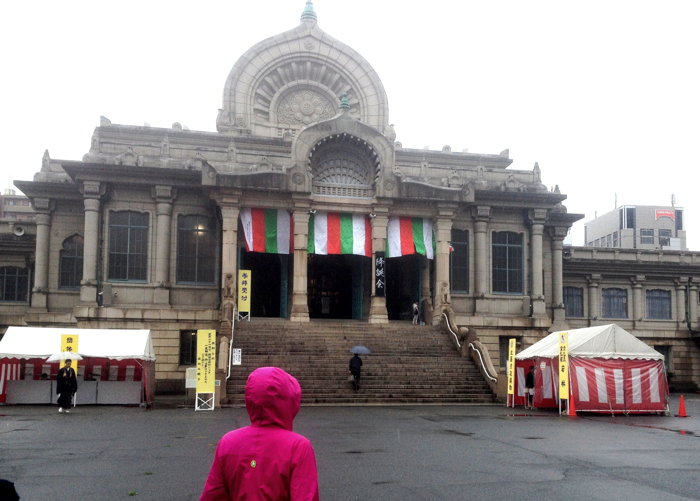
(304,107)
(297,178)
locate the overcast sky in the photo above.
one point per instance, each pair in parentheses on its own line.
(603,94)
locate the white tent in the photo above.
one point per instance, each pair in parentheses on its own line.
(118,365)
(602,341)
(38,342)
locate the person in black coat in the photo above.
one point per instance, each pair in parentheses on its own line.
(66,386)
(355,367)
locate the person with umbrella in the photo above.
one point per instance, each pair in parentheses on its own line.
(355,365)
(66,386)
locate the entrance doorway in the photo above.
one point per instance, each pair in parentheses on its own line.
(269,283)
(403,285)
(338,287)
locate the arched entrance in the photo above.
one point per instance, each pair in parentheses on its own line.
(404,281)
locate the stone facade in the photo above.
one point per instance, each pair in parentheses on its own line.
(304,128)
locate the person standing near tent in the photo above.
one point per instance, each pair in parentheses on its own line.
(530,388)
(355,368)
(66,386)
(265,460)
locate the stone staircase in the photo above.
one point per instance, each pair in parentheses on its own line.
(408,364)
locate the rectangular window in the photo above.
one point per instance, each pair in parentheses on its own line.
(614,303)
(646,236)
(507,262)
(188,347)
(128,246)
(573,301)
(459,261)
(14,284)
(615,239)
(659,304)
(71,263)
(196,250)
(665,238)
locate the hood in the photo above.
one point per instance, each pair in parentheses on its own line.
(272,397)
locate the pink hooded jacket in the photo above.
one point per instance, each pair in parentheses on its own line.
(266,460)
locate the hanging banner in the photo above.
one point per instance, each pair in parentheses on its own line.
(379,275)
(69,342)
(406,235)
(336,233)
(511,366)
(563,365)
(267,230)
(244,283)
(206,361)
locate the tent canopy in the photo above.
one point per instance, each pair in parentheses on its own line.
(42,342)
(602,341)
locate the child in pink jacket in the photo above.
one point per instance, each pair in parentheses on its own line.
(266,460)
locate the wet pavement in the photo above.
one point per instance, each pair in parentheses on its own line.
(364,453)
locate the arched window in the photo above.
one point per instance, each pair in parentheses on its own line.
(71,263)
(196,249)
(128,246)
(507,262)
(14,284)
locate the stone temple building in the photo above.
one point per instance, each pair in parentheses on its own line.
(304,184)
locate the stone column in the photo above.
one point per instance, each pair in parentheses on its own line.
(164,196)
(693,303)
(92,192)
(593,297)
(681,283)
(481,217)
(229,259)
(377,307)
(443,235)
(558,310)
(40,291)
(637,300)
(300,301)
(536,263)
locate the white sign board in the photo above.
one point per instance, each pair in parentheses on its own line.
(236,356)
(191,377)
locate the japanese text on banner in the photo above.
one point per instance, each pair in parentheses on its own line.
(244,283)
(69,342)
(206,361)
(379,275)
(511,366)
(564,365)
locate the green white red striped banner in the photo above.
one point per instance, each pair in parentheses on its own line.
(410,235)
(335,233)
(267,230)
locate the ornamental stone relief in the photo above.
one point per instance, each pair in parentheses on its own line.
(304,107)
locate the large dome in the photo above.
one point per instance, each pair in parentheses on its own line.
(296,78)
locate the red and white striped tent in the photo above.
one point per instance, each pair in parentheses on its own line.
(610,370)
(108,355)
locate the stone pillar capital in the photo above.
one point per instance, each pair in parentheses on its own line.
(93,189)
(594,279)
(637,281)
(164,194)
(481,213)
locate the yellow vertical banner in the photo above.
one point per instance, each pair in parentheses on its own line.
(511,366)
(206,361)
(69,342)
(244,282)
(563,365)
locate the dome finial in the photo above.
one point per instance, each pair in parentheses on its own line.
(309,13)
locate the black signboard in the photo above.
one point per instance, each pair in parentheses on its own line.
(379,275)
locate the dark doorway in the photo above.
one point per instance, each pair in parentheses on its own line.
(403,285)
(337,286)
(269,283)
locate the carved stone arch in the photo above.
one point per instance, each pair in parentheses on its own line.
(343,165)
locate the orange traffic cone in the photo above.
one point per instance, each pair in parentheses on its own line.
(681,408)
(572,406)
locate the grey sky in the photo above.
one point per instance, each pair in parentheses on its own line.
(603,94)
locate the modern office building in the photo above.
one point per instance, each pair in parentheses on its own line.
(638,227)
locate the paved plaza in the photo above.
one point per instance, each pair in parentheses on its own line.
(364,453)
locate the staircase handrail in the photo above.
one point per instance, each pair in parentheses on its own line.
(475,345)
(230,344)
